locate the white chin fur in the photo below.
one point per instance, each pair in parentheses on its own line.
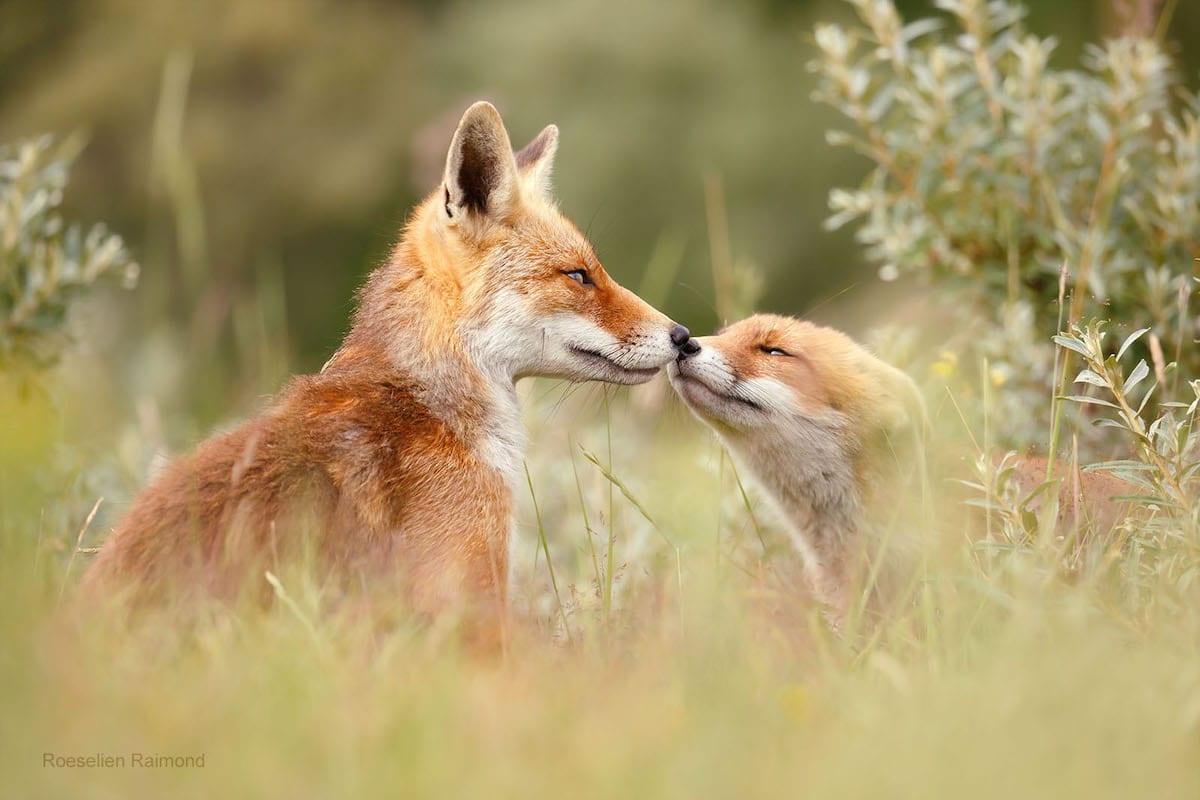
(597,367)
(707,385)
(570,347)
(588,352)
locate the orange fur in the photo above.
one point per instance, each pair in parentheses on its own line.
(401,454)
(828,430)
(820,422)
(1086,504)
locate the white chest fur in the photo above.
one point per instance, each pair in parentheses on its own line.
(502,439)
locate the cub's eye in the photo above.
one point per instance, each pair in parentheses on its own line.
(773,351)
(580,276)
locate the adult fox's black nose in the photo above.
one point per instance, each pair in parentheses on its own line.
(689,348)
(680,336)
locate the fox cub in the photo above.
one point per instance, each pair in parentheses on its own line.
(831,433)
(402,453)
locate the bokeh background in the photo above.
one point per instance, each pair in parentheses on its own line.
(260,157)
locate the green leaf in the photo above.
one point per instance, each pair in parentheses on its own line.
(921,27)
(1130,339)
(981,503)
(1106,466)
(1040,489)
(1137,376)
(1072,343)
(1146,400)
(1144,500)
(1087,376)
(1085,400)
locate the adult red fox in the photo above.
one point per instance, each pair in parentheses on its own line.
(402,453)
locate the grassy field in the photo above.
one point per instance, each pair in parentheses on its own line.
(663,644)
(701,669)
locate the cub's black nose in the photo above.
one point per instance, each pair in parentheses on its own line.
(689,348)
(679,335)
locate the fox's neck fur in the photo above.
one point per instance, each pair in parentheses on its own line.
(835,493)
(448,342)
(811,478)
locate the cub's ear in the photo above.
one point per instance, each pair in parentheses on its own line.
(481,173)
(899,404)
(535,161)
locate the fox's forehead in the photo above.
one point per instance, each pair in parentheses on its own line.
(824,367)
(769,330)
(816,367)
(548,237)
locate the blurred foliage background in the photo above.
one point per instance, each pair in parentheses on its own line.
(259,158)
(256,159)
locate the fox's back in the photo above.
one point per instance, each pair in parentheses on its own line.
(351,460)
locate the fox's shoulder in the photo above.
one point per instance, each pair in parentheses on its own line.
(334,412)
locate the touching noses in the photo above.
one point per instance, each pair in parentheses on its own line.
(684,343)
(681,337)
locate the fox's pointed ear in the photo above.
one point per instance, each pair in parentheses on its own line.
(535,161)
(481,173)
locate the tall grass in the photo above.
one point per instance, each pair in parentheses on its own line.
(708,672)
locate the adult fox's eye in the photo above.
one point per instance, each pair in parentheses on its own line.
(579,276)
(772,351)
